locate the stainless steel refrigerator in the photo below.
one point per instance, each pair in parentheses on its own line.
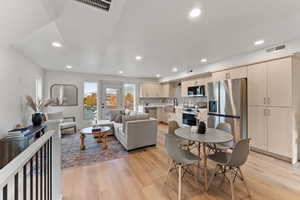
(228,103)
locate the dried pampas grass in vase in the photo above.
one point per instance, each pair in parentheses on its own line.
(38,117)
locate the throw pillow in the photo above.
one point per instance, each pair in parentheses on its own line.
(118,118)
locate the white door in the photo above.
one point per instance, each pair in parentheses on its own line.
(257,84)
(257,127)
(280,138)
(280,82)
(111,97)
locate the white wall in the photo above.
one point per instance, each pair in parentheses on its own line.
(17,79)
(74,78)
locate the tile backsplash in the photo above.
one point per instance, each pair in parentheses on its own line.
(181,101)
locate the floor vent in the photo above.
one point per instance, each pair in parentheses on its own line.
(277,48)
(102,4)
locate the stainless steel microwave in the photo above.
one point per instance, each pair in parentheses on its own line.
(196,91)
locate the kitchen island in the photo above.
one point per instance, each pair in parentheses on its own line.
(163,112)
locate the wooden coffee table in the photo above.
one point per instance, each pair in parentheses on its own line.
(102,136)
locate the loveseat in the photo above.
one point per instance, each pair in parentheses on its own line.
(135,130)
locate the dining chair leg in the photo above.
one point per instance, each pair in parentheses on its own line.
(231,186)
(199,155)
(169,169)
(179,182)
(213,176)
(205,166)
(223,169)
(196,173)
(244,181)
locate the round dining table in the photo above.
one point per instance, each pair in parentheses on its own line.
(211,136)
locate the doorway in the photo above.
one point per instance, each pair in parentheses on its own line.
(111,97)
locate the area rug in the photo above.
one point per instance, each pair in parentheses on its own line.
(72,156)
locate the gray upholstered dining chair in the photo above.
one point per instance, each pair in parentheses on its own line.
(172,126)
(226,145)
(180,159)
(230,163)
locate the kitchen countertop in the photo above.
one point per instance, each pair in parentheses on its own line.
(156,106)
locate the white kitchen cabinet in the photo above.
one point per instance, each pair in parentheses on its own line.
(271,83)
(194,82)
(236,73)
(167,90)
(156,90)
(257,84)
(257,127)
(159,114)
(280,133)
(162,115)
(271,112)
(184,88)
(147,89)
(172,92)
(172,116)
(280,82)
(218,76)
(270,129)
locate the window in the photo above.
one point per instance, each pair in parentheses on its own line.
(111,98)
(90,100)
(129,96)
(38,89)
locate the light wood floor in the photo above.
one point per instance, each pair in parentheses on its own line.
(141,176)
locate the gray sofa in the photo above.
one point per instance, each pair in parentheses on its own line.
(135,131)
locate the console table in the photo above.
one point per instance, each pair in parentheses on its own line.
(12,147)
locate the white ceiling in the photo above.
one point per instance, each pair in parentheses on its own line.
(95,41)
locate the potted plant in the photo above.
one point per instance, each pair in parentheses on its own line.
(37,117)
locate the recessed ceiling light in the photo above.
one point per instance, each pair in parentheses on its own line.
(138,58)
(121,71)
(69,67)
(157,75)
(175,69)
(259,42)
(56,44)
(195,12)
(203,60)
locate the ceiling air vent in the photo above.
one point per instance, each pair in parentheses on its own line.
(102,4)
(277,48)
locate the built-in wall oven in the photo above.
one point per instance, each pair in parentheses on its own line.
(189,119)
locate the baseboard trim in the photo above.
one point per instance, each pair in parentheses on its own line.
(152,145)
(283,158)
